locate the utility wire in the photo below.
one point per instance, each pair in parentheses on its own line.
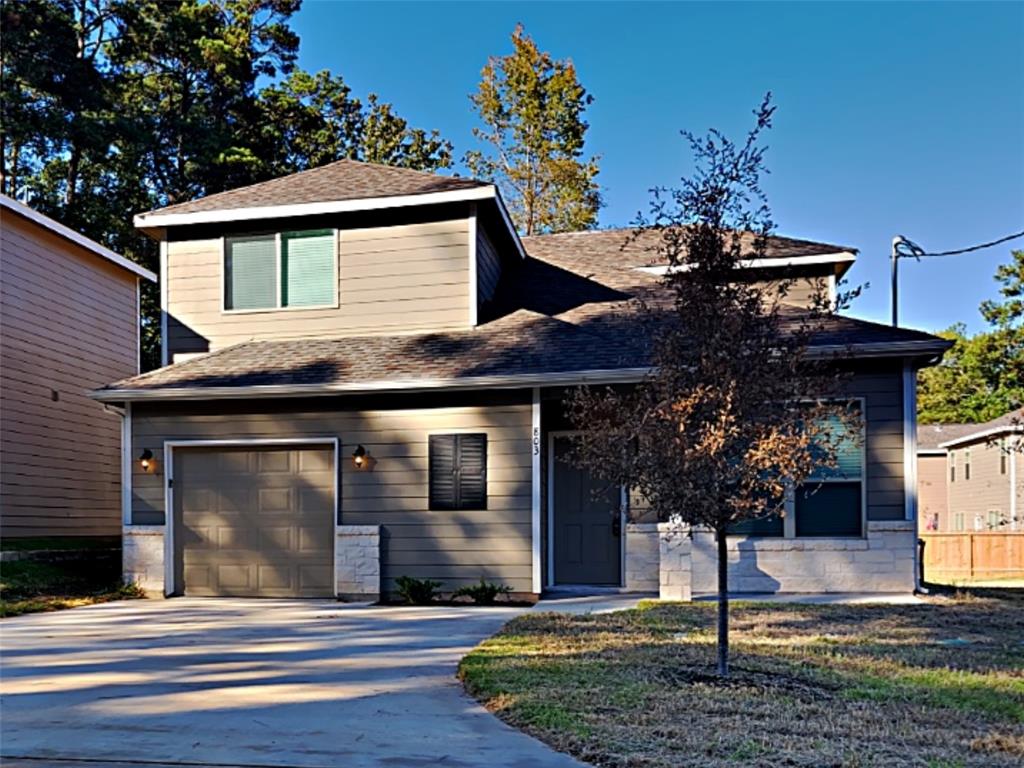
(973,247)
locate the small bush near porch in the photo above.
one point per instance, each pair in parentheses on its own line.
(939,685)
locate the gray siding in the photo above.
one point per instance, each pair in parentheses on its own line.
(68,324)
(454,547)
(881,386)
(488,267)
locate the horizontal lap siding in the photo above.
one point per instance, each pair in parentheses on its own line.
(68,322)
(987,490)
(881,386)
(454,547)
(391,279)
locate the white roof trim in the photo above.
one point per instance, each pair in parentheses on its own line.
(569,378)
(842,257)
(983,434)
(76,237)
(931,452)
(157,219)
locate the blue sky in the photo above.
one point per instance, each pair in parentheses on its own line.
(892,118)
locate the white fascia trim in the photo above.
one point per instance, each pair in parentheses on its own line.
(473,287)
(509,225)
(931,452)
(164,353)
(1007,429)
(157,219)
(571,378)
(75,237)
(842,257)
(535,517)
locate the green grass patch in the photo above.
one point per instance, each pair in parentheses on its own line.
(29,586)
(938,684)
(50,543)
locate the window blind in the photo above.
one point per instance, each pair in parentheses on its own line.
(250,273)
(307,268)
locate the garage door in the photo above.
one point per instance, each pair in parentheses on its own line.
(254,522)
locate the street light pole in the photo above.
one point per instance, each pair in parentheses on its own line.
(900,247)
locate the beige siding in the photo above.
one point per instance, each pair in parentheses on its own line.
(68,324)
(931,492)
(488,267)
(802,292)
(986,491)
(455,547)
(404,277)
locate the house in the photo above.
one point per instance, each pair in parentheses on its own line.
(69,323)
(975,474)
(365,375)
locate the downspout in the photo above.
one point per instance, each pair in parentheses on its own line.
(910,463)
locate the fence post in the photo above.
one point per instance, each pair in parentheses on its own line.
(970,561)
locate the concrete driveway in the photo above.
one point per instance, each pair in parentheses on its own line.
(251,683)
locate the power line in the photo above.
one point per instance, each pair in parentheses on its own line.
(973,247)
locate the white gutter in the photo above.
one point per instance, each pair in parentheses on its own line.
(1006,429)
(569,378)
(931,452)
(842,257)
(76,237)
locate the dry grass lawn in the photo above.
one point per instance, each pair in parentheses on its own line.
(939,685)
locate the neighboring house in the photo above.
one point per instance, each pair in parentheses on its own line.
(366,380)
(985,472)
(69,322)
(933,475)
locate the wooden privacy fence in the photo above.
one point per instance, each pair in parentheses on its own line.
(970,555)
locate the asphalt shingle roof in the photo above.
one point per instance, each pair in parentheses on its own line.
(931,436)
(337,181)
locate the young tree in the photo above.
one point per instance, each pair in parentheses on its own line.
(532,106)
(737,412)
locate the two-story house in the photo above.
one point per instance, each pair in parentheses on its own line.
(365,375)
(69,322)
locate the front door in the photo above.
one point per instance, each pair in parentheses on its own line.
(587,524)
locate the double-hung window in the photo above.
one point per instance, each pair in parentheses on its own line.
(287,270)
(830,503)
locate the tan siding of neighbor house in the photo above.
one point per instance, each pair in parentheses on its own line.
(68,324)
(986,491)
(931,492)
(454,547)
(392,279)
(801,292)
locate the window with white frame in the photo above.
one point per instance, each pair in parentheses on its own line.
(952,466)
(995,519)
(1004,455)
(829,504)
(967,464)
(958,521)
(281,271)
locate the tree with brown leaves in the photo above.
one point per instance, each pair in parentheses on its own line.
(738,413)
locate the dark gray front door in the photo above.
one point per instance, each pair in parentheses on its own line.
(587,526)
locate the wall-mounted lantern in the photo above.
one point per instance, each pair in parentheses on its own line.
(359,457)
(146,460)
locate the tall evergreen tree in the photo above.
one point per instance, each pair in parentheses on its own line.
(531,107)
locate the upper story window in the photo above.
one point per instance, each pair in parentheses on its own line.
(967,463)
(288,270)
(952,466)
(1004,455)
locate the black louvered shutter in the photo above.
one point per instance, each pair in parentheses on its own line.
(472,472)
(458,471)
(444,487)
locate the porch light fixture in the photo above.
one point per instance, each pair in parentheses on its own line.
(359,457)
(146,460)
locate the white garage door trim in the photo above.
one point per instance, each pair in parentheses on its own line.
(169,445)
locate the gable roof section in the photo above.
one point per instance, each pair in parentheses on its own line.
(315,190)
(77,238)
(930,436)
(618,249)
(1006,424)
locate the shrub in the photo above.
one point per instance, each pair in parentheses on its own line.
(417,591)
(484,593)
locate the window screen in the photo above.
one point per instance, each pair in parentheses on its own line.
(250,273)
(458,471)
(307,268)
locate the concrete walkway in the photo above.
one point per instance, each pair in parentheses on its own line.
(252,683)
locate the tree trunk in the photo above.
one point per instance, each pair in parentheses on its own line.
(723,604)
